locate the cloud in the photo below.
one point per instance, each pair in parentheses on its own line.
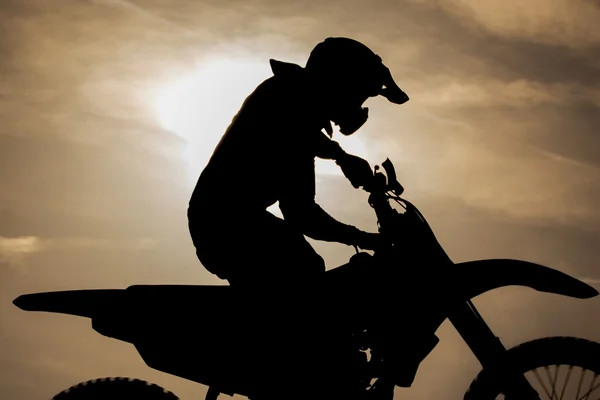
(70,243)
(524,184)
(14,249)
(571,23)
(133,8)
(502,166)
(517,93)
(448,67)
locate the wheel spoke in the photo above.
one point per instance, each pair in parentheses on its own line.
(552,380)
(566,381)
(593,387)
(537,375)
(580,383)
(576,355)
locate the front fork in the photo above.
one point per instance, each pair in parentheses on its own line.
(490,351)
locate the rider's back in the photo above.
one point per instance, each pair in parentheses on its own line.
(260,148)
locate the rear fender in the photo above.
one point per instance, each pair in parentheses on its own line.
(82,303)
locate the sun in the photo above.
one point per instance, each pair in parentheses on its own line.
(200,106)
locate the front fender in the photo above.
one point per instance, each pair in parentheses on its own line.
(477,277)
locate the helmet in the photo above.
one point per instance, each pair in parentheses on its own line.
(351,72)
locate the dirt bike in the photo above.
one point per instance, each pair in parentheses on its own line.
(230,349)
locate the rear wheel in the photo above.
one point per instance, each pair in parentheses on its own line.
(117,389)
(562,368)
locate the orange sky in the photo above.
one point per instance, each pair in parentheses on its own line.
(99,148)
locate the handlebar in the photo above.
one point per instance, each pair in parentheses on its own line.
(379,193)
(392,223)
(385,188)
(385,183)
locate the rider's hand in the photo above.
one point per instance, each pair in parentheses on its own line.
(356,170)
(369,241)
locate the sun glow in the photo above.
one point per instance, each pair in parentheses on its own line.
(199,107)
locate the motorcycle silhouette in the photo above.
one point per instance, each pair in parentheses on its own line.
(238,342)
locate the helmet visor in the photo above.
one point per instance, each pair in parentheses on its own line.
(390,89)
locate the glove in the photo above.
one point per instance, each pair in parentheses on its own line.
(369,241)
(356,170)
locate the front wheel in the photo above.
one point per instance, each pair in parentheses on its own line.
(556,367)
(115,389)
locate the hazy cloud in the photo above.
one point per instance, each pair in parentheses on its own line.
(571,23)
(515,94)
(498,147)
(13,249)
(131,7)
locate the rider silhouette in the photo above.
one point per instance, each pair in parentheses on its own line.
(267,155)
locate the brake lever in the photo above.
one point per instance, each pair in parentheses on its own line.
(389,169)
(392,181)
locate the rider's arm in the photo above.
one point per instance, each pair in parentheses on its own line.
(326,148)
(298,207)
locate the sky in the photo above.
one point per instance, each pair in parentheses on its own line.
(110,108)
